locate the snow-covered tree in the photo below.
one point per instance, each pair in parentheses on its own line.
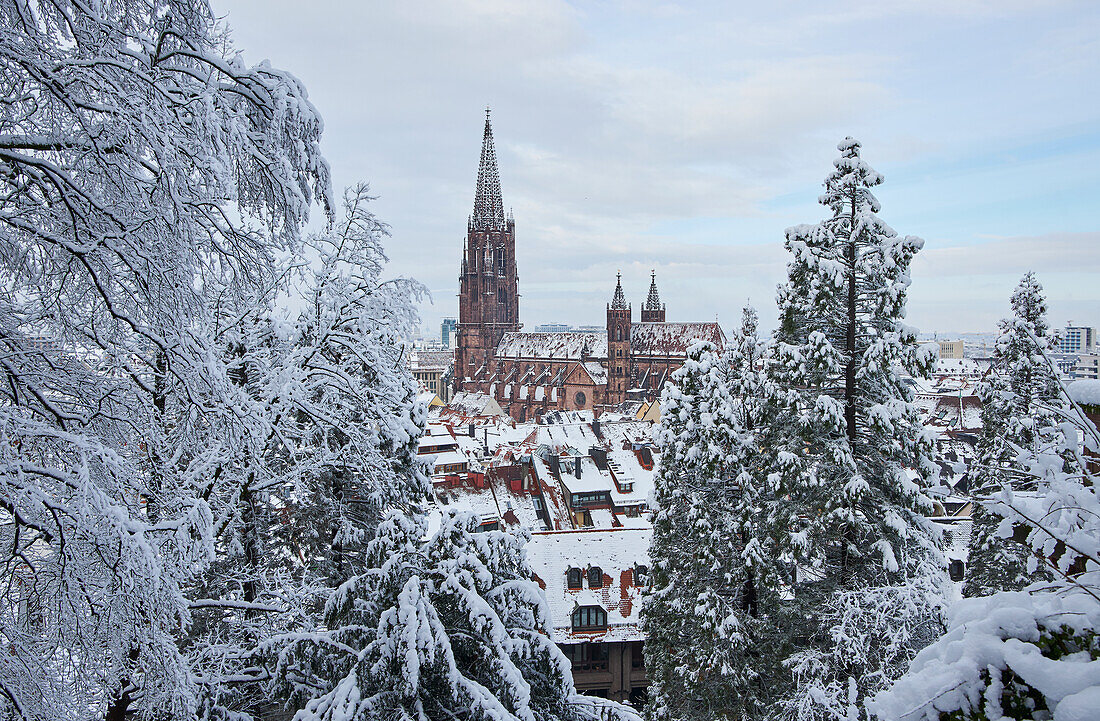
(335,451)
(847,454)
(443,627)
(1016,396)
(144,168)
(710,568)
(1031,654)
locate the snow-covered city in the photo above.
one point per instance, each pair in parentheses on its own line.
(548,361)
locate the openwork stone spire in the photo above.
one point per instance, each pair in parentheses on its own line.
(653,302)
(619,301)
(488,205)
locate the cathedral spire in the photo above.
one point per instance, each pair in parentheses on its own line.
(619,301)
(488,205)
(653,302)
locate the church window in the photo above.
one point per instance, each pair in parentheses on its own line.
(579,398)
(619,334)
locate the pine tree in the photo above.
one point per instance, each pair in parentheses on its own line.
(443,628)
(335,451)
(701,612)
(847,453)
(1033,653)
(1015,399)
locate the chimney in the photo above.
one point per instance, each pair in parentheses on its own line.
(577,468)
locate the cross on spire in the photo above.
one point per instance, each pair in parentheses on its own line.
(653,301)
(488,205)
(619,301)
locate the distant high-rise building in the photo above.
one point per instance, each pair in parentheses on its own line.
(447,331)
(951,349)
(553,328)
(1078,339)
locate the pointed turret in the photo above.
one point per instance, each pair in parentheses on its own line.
(619,301)
(653,311)
(488,205)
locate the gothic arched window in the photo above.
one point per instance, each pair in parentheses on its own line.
(619,333)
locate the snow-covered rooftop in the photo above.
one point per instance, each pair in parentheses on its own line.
(553,346)
(617,552)
(672,338)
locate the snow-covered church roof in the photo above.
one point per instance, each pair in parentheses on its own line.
(672,338)
(553,346)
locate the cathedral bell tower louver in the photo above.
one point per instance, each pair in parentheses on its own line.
(488,305)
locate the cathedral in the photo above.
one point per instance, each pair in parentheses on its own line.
(530,374)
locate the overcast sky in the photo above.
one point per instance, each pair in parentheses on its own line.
(686,137)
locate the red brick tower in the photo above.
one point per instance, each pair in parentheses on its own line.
(488,299)
(618,345)
(653,311)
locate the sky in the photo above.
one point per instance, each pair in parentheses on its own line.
(685,137)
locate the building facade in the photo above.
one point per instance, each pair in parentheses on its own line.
(531,374)
(447,330)
(1078,339)
(953,349)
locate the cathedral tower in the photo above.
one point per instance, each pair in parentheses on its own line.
(488,299)
(618,345)
(653,311)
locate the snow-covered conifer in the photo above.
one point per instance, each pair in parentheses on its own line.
(1015,399)
(1033,653)
(710,566)
(450,626)
(847,453)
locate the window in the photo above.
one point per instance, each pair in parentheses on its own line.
(595,577)
(956,570)
(641,576)
(589,617)
(587,656)
(573,578)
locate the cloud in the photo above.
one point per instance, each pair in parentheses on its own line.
(1048,253)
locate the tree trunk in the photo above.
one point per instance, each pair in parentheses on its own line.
(850,341)
(116,710)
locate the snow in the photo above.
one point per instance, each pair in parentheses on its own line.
(1086,392)
(1000,632)
(552,346)
(597,372)
(660,339)
(616,552)
(592,478)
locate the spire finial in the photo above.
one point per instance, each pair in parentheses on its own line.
(488,205)
(619,301)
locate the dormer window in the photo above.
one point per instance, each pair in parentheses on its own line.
(573,578)
(641,576)
(589,618)
(595,577)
